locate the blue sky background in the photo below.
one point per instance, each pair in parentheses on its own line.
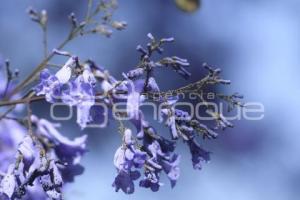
(256,43)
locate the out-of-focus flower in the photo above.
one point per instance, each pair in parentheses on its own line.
(32,169)
(69,152)
(119,25)
(11,134)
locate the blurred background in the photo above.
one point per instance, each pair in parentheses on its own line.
(255,42)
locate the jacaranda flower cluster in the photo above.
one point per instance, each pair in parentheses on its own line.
(37,160)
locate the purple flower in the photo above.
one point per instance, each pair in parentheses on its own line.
(81,94)
(180,121)
(127,158)
(51,85)
(124,181)
(135,73)
(164,145)
(49,170)
(38,164)
(152,85)
(65,73)
(27,150)
(67,151)
(11,134)
(222,122)
(134,98)
(169,113)
(151,180)
(172,169)
(139,124)
(8,183)
(52,181)
(161,158)
(104,79)
(199,155)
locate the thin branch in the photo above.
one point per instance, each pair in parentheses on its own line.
(33,75)
(185,89)
(27,96)
(45,41)
(29,113)
(8,78)
(7,112)
(21,101)
(89,8)
(54,65)
(35,72)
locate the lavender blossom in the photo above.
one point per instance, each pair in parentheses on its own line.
(81,94)
(151,180)
(199,155)
(51,85)
(134,98)
(126,158)
(11,134)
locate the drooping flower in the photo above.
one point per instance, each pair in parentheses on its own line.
(139,124)
(124,181)
(180,123)
(169,112)
(151,180)
(199,155)
(134,98)
(81,94)
(8,183)
(161,158)
(127,159)
(172,169)
(52,181)
(152,85)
